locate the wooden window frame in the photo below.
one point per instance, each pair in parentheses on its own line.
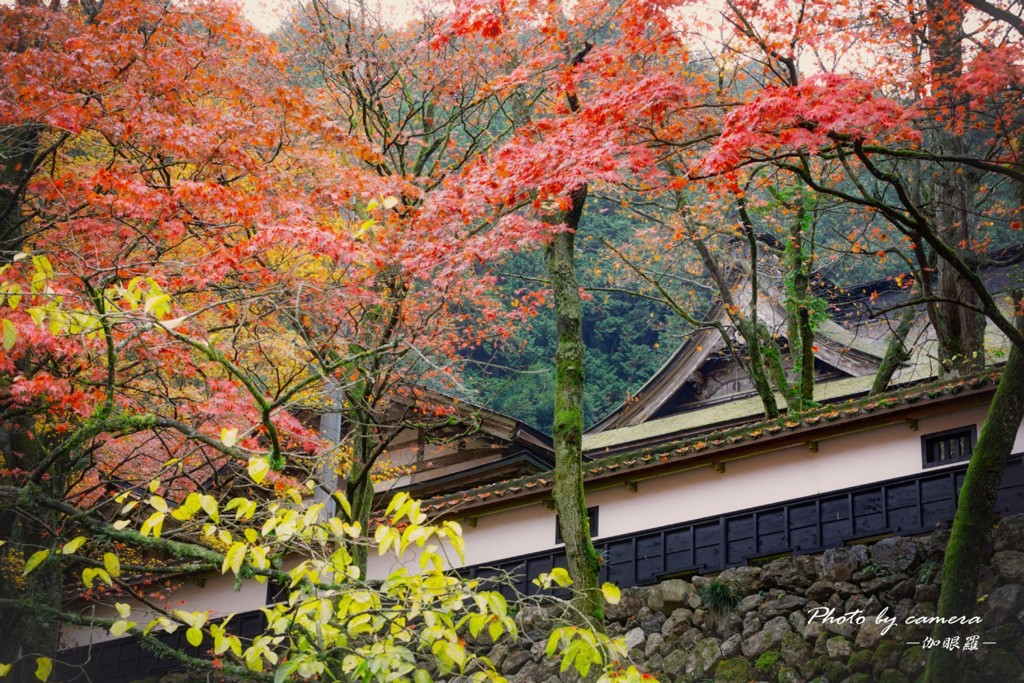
(928,441)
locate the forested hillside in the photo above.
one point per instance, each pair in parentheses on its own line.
(627,336)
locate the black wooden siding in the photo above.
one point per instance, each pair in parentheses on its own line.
(905,506)
(909,505)
(125,659)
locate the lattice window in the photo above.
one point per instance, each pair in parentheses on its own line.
(943,448)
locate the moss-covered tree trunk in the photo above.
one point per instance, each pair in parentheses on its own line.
(972,525)
(27,631)
(359,485)
(584,564)
(799,300)
(896,352)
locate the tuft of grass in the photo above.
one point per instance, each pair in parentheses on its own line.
(717,596)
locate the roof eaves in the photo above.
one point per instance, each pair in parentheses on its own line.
(824,421)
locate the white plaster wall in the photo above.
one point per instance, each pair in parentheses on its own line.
(862,458)
(215,593)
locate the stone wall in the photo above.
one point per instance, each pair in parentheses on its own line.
(685,631)
(768,634)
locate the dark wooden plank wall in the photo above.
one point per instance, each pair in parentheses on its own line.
(908,505)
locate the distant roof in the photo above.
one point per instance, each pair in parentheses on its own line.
(855,352)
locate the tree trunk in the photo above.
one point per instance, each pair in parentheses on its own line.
(972,525)
(755,364)
(359,488)
(797,288)
(960,330)
(584,564)
(27,632)
(896,352)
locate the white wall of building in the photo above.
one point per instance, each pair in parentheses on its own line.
(794,472)
(215,593)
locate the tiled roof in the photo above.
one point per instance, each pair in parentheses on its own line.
(827,420)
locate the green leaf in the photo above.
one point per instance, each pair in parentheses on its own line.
(44,665)
(10,334)
(34,561)
(285,671)
(611,593)
(421,676)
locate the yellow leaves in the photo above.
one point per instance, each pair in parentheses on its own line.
(43,272)
(173,323)
(158,304)
(154,524)
(12,290)
(159,504)
(34,561)
(223,641)
(209,505)
(364,228)
(259,557)
(579,647)
(112,564)
(259,466)
(193,619)
(195,622)
(611,593)
(451,530)
(229,437)
(90,574)
(122,625)
(44,666)
(243,507)
(260,650)
(558,575)
(341,529)
(5,669)
(72,546)
(233,558)
(193,503)
(404,506)
(10,335)
(385,536)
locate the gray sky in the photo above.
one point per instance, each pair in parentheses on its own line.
(267,14)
